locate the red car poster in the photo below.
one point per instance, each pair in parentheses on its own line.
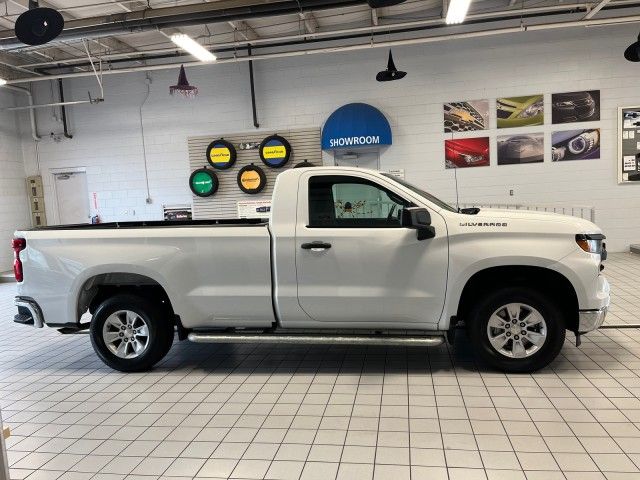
(466,152)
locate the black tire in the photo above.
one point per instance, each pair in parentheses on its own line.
(160,325)
(555,326)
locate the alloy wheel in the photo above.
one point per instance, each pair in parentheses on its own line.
(517,330)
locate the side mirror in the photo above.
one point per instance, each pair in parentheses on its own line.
(419,219)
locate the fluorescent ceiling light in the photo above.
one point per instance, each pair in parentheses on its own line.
(457,11)
(2,81)
(187,43)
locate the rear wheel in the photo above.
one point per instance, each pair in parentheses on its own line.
(517,330)
(130,334)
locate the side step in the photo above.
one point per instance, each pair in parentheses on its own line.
(317,338)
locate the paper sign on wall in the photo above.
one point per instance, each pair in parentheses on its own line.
(396,172)
(629,163)
(254,208)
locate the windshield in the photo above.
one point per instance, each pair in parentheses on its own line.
(421,192)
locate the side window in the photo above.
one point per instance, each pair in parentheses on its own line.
(339,201)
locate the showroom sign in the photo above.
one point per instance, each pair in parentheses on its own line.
(356,125)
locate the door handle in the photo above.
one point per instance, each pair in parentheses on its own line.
(316,246)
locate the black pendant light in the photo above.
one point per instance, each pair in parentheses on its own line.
(632,53)
(391,73)
(38,26)
(183,87)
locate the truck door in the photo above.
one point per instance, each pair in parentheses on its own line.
(356,265)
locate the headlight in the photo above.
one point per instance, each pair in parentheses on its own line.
(471,158)
(590,243)
(583,143)
(532,110)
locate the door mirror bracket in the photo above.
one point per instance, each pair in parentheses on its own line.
(419,219)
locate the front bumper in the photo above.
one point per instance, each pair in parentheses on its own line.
(29,312)
(589,320)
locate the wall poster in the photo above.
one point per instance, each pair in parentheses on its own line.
(466,116)
(466,152)
(520,111)
(570,107)
(575,145)
(519,149)
(628,142)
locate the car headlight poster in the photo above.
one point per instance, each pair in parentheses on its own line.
(628,144)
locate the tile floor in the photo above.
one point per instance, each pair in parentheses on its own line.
(326,413)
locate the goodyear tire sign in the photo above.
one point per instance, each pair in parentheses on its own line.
(221,154)
(275,151)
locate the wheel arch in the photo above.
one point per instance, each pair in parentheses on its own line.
(544,280)
(99,287)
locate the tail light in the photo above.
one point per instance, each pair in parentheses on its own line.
(18,245)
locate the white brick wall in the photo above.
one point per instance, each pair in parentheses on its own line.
(304,91)
(14,206)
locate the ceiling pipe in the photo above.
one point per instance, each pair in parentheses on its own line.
(389,28)
(432,25)
(349,48)
(183,16)
(32,113)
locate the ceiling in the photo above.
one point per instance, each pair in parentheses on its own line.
(134,34)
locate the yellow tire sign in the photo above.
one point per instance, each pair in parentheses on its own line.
(221,154)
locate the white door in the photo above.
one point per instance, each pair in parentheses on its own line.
(365,268)
(72,197)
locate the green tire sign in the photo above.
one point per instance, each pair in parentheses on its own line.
(203,182)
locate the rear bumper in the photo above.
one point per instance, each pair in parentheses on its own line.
(29,312)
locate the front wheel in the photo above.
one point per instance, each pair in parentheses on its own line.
(517,330)
(130,334)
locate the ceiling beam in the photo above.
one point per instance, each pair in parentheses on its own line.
(483,33)
(310,21)
(243,29)
(593,12)
(374,17)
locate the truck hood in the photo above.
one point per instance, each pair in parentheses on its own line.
(537,221)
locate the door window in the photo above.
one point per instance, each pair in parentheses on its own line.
(339,201)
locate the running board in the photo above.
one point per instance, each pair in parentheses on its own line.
(317,339)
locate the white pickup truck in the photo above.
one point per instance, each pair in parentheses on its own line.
(347,256)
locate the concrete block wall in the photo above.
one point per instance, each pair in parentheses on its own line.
(14,204)
(303,91)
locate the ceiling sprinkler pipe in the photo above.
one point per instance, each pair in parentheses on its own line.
(350,48)
(32,113)
(181,16)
